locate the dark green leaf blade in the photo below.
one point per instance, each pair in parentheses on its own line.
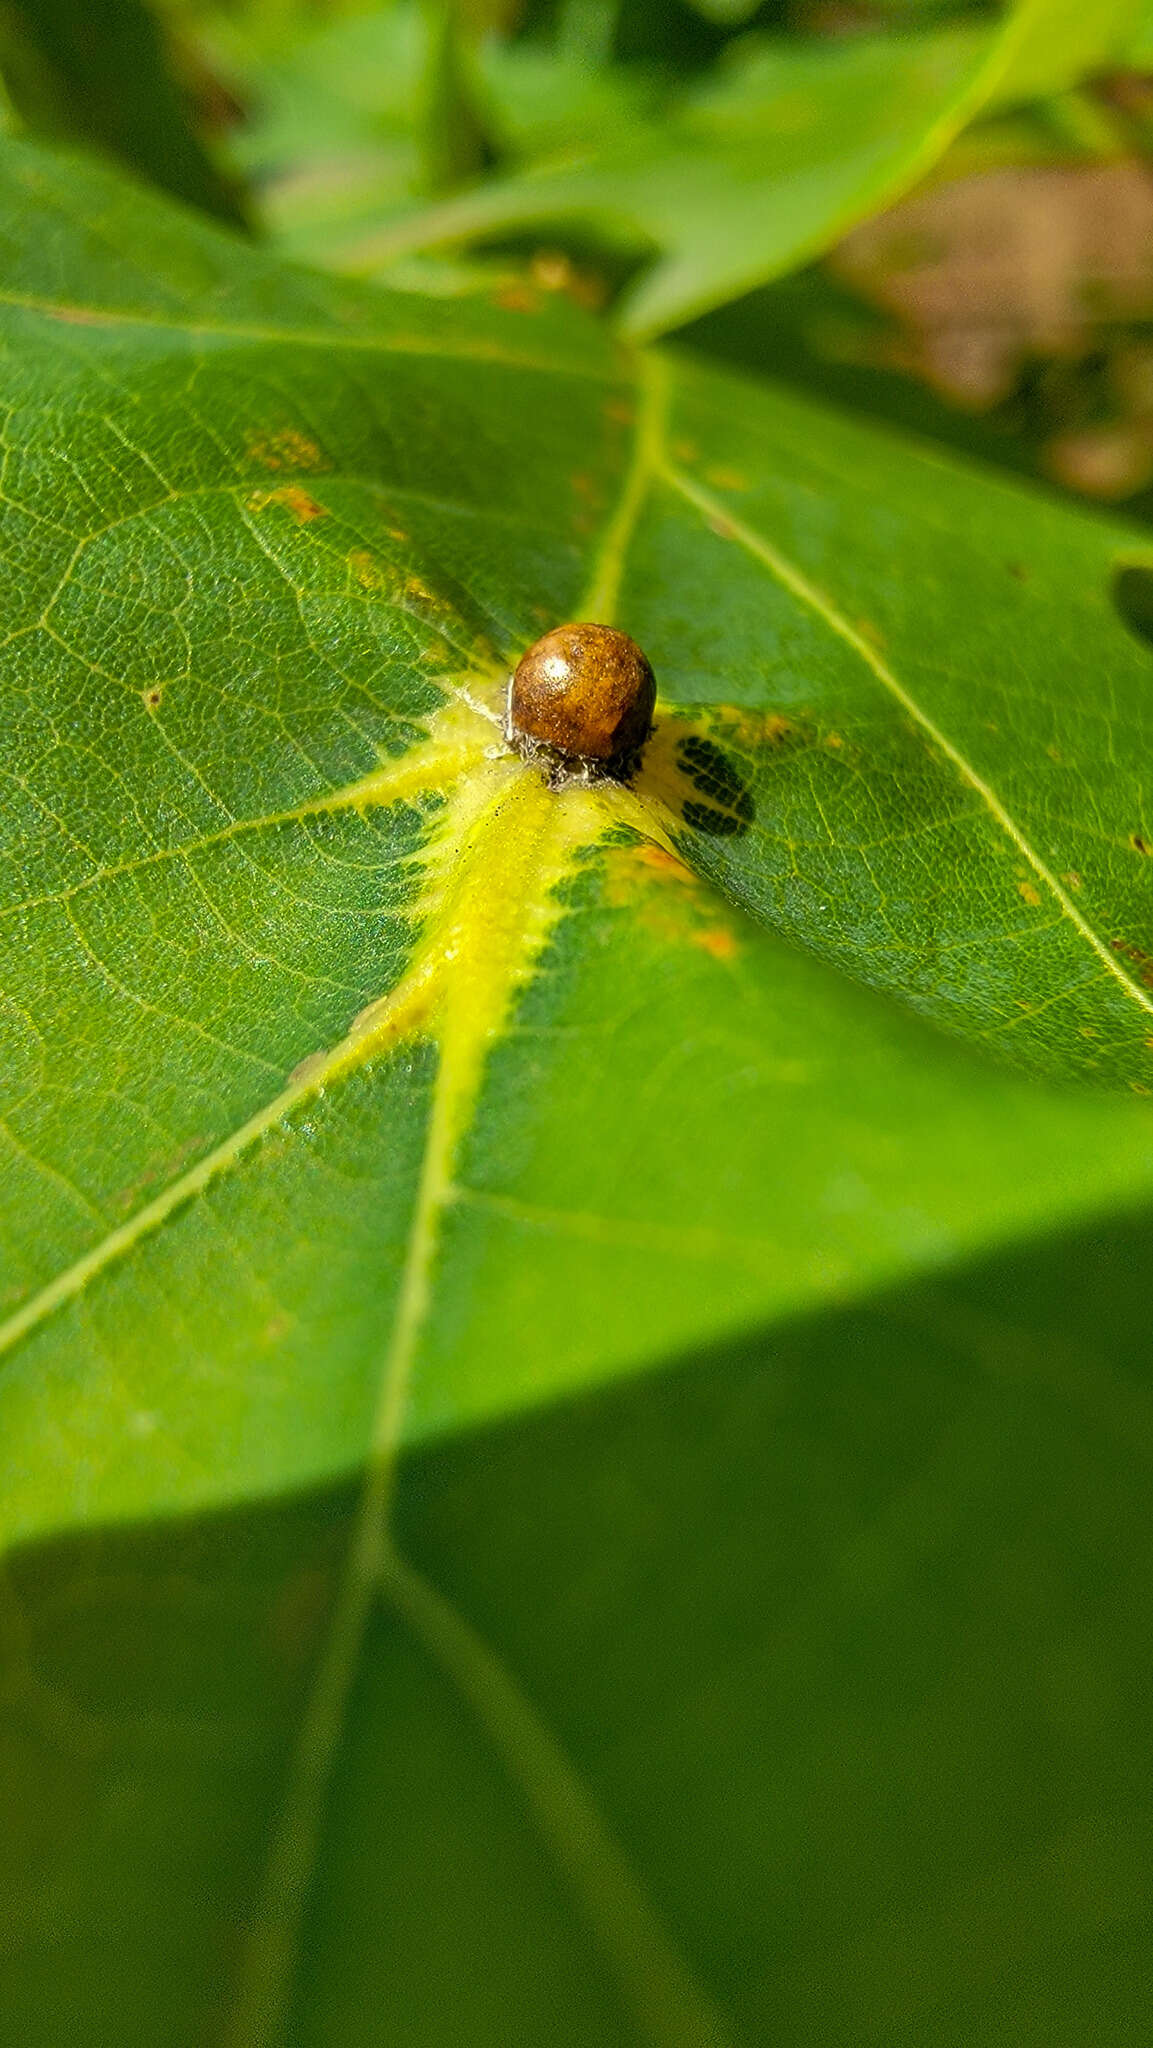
(842,1629)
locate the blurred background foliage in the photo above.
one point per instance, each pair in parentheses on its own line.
(938,213)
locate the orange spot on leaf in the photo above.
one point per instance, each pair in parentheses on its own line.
(666,864)
(717,941)
(293,498)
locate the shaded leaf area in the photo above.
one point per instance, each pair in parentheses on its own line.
(834,1635)
(340,1046)
(99,72)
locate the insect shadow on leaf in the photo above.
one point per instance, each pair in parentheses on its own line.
(724,806)
(704,780)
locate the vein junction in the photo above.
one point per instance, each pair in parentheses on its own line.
(488,901)
(503,838)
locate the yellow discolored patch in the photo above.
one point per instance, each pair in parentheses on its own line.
(369,573)
(1029,894)
(285,448)
(667,899)
(294,498)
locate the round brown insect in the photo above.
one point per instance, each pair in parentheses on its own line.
(586,692)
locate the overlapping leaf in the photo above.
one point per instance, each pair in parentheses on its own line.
(748,173)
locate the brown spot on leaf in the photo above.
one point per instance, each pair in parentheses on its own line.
(294,498)
(1073,879)
(1137,958)
(1029,894)
(1139,844)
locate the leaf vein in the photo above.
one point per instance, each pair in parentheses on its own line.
(797,583)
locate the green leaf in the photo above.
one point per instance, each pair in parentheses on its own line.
(1138,51)
(360,1088)
(97,72)
(1065,41)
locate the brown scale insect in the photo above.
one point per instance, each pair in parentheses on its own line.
(583,695)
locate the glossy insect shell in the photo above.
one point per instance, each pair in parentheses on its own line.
(586,691)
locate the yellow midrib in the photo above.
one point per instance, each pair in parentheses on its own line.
(512,852)
(515,847)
